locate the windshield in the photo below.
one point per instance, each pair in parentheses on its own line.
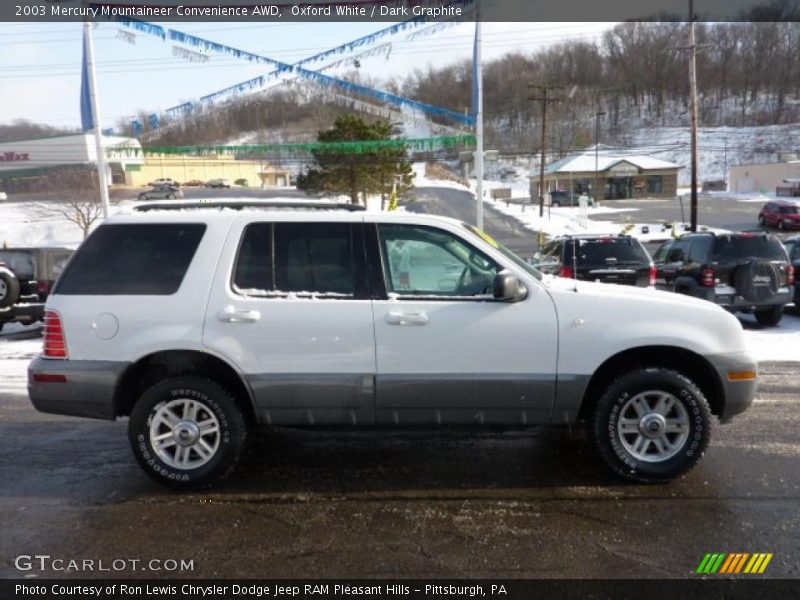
(517,260)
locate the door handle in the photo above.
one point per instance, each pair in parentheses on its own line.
(396,317)
(230,315)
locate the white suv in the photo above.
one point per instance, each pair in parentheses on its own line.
(200,321)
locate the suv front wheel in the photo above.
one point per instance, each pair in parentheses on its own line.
(651,425)
(187,432)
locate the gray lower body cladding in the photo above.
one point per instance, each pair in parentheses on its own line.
(87,392)
(403,400)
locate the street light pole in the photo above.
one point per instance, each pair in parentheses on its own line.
(597,116)
(478,83)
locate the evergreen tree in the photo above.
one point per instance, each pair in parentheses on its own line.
(366,171)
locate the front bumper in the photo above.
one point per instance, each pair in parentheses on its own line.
(88,389)
(738,394)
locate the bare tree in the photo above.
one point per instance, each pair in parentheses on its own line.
(75,196)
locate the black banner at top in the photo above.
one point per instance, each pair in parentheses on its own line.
(178,11)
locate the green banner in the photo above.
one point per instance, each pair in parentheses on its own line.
(355,147)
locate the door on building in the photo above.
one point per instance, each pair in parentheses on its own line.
(619,188)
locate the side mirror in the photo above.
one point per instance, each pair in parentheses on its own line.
(508,288)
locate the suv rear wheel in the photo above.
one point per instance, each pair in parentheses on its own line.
(187,432)
(9,289)
(769,317)
(651,425)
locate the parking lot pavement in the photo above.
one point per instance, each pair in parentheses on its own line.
(724,212)
(333,504)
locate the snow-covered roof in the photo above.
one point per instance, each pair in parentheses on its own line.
(587,161)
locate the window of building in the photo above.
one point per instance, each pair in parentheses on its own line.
(655,184)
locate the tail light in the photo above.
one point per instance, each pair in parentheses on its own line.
(709,277)
(43,287)
(653,275)
(567,272)
(790,275)
(55,342)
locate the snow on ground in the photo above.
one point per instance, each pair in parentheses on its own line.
(36,224)
(745,145)
(14,359)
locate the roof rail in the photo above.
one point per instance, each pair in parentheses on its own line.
(239,205)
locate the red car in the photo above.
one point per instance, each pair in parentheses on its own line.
(783,214)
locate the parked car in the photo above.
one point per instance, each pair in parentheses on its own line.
(162,192)
(193,183)
(783,214)
(605,258)
(26,277)
(241,182)
(792,246)
(200,324)
(164,181)
(566,198)
(218,183)
(747,272)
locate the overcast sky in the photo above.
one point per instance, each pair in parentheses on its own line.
(40,62)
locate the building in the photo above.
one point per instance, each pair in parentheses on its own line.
(770,178)
(29,159)
(24,161)
(185,168)
(618,174)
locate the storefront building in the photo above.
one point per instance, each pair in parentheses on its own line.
(617,175)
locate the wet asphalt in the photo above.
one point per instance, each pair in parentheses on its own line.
(533,503)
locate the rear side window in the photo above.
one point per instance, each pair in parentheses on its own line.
(303,258)
(137,260)
(744,247)
(598,251)
(789,210)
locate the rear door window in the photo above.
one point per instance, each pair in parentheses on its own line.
(305,259)
(132,259)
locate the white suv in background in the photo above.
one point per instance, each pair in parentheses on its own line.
(200,321)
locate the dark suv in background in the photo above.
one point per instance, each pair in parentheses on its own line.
(617,259)
(747,272)
(26,277)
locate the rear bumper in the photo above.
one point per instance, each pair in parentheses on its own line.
(87,392)
(26,313)
(726,296)
(738,393)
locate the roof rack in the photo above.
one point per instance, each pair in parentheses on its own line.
(239,205)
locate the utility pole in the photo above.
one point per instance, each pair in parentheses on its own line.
(725,172)
(693,110)
(478,90)
(544,99)
(596,189)
(98,134)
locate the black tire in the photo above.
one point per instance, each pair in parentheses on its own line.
(556,203)
(769,317)
(9,289)
(214,401)
(609,411)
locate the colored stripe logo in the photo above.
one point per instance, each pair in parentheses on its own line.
(733,563)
